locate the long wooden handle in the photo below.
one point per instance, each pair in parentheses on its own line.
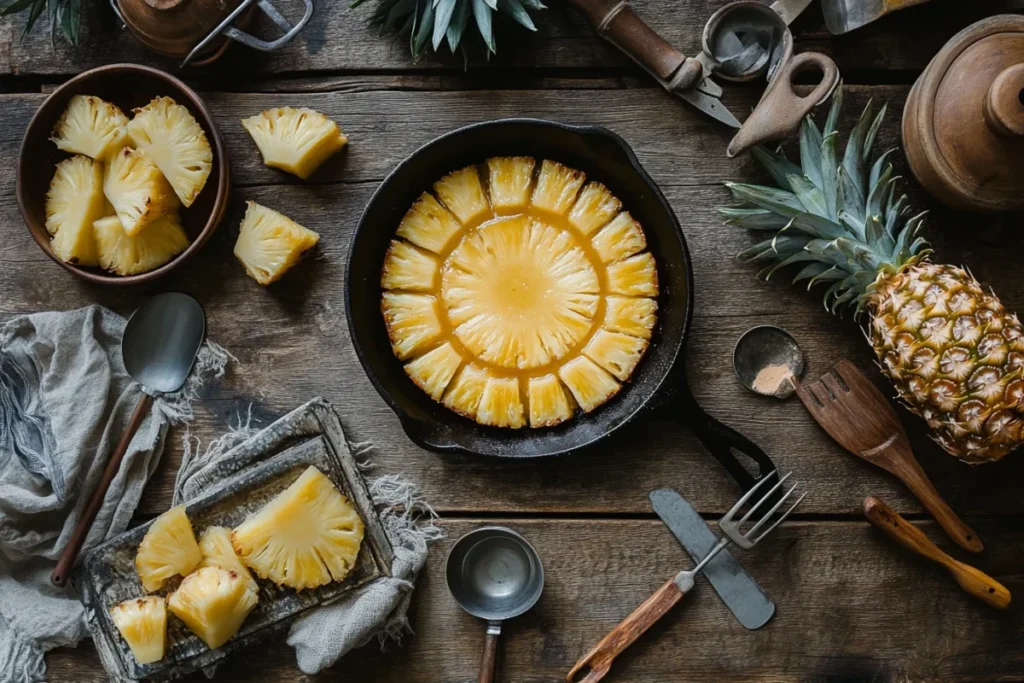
(594,665)
(910,473)
(974,581)
(62,571)
(490,656)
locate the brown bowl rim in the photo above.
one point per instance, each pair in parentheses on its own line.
(220,201)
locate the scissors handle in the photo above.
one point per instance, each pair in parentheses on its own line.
(616,22)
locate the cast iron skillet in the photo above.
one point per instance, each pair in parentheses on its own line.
(659,381)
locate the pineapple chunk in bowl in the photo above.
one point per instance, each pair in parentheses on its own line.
(51,138)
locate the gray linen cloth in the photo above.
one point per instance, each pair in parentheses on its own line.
(65,399)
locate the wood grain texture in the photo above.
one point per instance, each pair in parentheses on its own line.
(852,607)
(275,331)
(339,39)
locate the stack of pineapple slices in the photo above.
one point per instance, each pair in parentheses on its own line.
(306,536)
(521,296)
(115,202)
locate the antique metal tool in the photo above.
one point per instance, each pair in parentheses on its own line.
(742,41)
(738,589)
(843,16)
(594,665)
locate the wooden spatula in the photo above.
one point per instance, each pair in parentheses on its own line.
(856,414)
(974,581)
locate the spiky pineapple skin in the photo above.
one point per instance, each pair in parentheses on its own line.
(954,354)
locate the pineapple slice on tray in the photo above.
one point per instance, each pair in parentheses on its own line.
(137,189)
(162,240)
(215,545)
(557,187)
(428,224)
(168,133)
(213,602)
(413,322)
(168,549)
(73,202)
(142,622)
(463,194)
(295,140)
(509,180)
(91,126)
(306,536)
(406,267)
(269,243)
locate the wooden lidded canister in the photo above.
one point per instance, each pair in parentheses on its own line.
(963,124)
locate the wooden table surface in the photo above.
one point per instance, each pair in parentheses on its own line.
(852,606)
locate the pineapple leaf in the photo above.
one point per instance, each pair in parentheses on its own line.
(770,198)
(799,257)
(818,226)
(869,139)
(850,196)
(445,9)
(753,219)
(877,199)
(493,4)
(458,25)
(853,158)
(777,165)
(809,195)
(773,248)
(422,27)
(15,7)
(482,15)
(810,151)
(37,9)
(809,271)
(833,113)
(878,168)
(515,9)
(829,173)
(400,9)
(533,4)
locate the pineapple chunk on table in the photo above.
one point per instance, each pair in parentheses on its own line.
(269,243)
(142,622)
(138,191)
(73,201)
(168,549)
(177,144)
(162,240)
(213,602)
(295,140)
(91,126)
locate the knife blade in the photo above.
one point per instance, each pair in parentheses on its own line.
(738,589)
(712,106)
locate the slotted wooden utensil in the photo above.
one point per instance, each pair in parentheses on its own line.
(974,581)
(856,414)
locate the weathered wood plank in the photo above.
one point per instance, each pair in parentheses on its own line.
(276,332)
(852,606)
(339,39)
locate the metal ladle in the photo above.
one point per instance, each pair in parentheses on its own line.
(494,574)
(768,361)
(159,346)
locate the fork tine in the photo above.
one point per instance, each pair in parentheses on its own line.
(765,517)
(833,384)
(820,393)
(781,517)
(764,498)
(746,496)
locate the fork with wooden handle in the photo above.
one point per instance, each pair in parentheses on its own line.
(974,581)
(856,414)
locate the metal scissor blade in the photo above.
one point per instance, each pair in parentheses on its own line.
(712,106)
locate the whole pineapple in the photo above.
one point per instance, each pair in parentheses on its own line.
(954,353)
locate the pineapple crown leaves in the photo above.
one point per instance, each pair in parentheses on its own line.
(432,22)
(840,219)
(63,14)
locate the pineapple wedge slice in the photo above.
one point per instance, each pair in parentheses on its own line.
(432,372)
(428,224)
(142,622)
(295,140)
(509,180)
(215,544)
(557,187)
(408,268)
(168,549)
(307,536)
(269,243)
(412,321)
(137,190)
(589,384)
(595,207)
(161,241)
(630,315)
(174,140)
(615,352)
(73,202)
(213,602)
(619,239)
(465,392)
(500,405)
(636,276)
(91,126)
(463,194)
(548,403)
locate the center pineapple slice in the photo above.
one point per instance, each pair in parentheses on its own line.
(295,140)
(73,202)
(91,126)
(168,549)
(174,140)
(307,536)
(213,602)
(142,622)
(162,240)
(215,544)
(269,243)
(522,299)
(138,191)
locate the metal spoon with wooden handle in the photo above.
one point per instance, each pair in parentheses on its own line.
(974,581)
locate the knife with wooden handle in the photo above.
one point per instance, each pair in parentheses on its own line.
(974,581)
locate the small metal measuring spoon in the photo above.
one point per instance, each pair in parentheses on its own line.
(159,346)
(494,574)
(768,361)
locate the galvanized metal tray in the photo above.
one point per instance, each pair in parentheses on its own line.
(251,475)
